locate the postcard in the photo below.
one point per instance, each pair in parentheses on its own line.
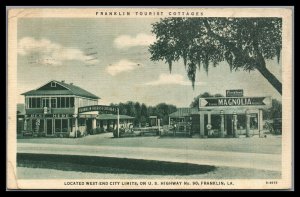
(120,98)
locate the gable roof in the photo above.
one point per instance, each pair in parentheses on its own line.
(182,112)
(69,89)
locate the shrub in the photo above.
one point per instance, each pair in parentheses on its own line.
(110,129)
(79,133)
(41,134)
(115,133)
(98,130)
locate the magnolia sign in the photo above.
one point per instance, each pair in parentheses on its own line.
(234,101)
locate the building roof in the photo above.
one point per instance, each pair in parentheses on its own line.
(113,117)
(62,89)
(182,112)
(20,109)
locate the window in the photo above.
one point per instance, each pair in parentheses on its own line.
(33,102)
(45,102)
(58,102)
(71,101)
(38,102)
(30,102)
(67,102)
(53,84)
(53,102)
(253,121)
(241,121)
(57,125)
(64,125)
(81,122)
(61,125)
(63,102)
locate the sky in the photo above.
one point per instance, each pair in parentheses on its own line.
(110,58)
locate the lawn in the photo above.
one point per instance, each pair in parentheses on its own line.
(35,166)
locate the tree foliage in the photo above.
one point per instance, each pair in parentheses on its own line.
(244,43)
(275,111)
(195,102)
(141,112)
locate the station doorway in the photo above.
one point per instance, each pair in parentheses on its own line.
(229,124)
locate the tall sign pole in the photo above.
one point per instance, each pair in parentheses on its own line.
(118,123)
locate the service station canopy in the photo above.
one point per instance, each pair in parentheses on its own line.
(227,102)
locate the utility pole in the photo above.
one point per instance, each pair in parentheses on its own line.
(118,123)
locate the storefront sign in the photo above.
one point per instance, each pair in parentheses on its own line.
(234,101)
(101,108)
(235,93)
(49,115)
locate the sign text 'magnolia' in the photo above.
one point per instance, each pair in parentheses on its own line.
(234,101)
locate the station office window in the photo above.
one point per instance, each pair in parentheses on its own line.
(241,121)
(253,121)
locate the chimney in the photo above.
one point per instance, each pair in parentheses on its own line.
(71,83)
(63,81)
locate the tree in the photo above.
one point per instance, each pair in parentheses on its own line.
(275,111)
(244,43)
(141,112)
(195,102)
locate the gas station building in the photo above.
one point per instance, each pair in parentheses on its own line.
(228,116)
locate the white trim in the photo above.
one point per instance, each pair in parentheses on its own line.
(62,95)
(50,85)
(58,95)
(53,84)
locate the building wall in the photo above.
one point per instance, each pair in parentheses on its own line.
(38,119)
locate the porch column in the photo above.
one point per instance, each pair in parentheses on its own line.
(209,123)
(94,123)
(222,124)
(25,124)
(235,125)
(247,123)
(201,124)
(260,121)
(76,126)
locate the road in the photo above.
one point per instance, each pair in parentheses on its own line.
(261,161)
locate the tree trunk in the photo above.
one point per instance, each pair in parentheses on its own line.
(271,78)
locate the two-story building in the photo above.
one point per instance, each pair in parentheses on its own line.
(52,109)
